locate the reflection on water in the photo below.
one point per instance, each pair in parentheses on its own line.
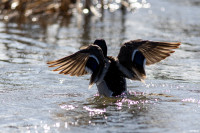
(34,99)
(101,110)
(24,42)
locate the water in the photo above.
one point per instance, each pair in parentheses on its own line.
(35,99)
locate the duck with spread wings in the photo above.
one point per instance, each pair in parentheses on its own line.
(110,73)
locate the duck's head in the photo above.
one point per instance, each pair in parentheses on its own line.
(102,44)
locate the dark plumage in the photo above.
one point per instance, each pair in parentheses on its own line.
(109,73)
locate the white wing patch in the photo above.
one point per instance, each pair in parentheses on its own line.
(134,69)
(88,69)
(93,56)
(133,54)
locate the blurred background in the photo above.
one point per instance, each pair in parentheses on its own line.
(35,99)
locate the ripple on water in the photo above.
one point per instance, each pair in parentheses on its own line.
(100,110)
(34,99)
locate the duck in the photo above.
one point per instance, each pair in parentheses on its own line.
(110,73)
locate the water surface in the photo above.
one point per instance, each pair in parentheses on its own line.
(35,99)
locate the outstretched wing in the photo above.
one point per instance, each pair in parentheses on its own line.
(134,55)
(88,60)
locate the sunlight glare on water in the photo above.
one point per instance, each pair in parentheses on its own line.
(35,99)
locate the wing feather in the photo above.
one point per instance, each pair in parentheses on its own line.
(156,51)
(152,51)
(75,64)
(69,62)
